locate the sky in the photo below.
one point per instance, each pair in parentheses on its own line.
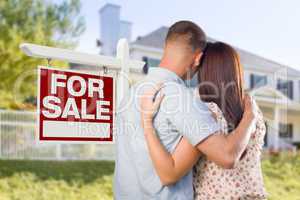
(269,28)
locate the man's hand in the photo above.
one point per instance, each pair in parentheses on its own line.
(249,112)
(248,108)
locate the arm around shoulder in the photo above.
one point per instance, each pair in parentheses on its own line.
(226,150)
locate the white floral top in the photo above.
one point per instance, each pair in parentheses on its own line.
(245,181)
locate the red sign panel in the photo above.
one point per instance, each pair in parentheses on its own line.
(75,106)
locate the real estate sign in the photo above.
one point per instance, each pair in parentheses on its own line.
(74,106)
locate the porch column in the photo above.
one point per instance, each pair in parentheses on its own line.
(276,127)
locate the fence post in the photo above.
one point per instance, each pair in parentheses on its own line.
(58,152)
(123,82)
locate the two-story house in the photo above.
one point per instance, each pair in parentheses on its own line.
(275,87)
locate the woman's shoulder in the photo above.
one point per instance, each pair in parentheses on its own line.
(218,115)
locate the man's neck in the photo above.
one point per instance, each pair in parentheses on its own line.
(172,66)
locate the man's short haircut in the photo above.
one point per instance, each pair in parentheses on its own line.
(188,32)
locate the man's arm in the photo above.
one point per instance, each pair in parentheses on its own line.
(171,167)
(195,122)
(226,150)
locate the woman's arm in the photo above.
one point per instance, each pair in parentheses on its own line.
(169,167)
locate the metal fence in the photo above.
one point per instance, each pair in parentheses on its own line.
(18,141)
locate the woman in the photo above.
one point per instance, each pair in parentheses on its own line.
(221,87)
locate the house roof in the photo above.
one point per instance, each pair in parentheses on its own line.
(272,96)
(156,39)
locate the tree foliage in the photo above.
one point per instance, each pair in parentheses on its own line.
(35,21)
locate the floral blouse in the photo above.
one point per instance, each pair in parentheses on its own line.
(245,181)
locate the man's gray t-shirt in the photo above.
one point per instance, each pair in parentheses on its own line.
(181,114)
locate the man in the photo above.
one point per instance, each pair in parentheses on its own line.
(181,115)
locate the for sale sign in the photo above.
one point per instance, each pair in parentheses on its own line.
(74,106)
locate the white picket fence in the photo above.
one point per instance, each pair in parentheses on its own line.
(18,141)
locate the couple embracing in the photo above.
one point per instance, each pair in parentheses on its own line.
(179,142)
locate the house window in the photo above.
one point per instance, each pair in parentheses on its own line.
(286,87)
(286,131)
(150,62)
(257,80)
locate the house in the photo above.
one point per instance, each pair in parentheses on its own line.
(275,87)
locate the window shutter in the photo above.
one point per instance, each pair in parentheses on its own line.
(146,67)
(251,81)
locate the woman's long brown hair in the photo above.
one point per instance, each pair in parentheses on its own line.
(221,81)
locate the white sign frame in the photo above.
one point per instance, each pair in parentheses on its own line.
(121,62)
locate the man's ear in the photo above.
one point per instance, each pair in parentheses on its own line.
(197,58)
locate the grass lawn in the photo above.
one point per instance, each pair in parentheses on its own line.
(88,180)
(282,177)
(51,180)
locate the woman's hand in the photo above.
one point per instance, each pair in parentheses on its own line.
(149,104)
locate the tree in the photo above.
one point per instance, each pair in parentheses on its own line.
(35,21)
